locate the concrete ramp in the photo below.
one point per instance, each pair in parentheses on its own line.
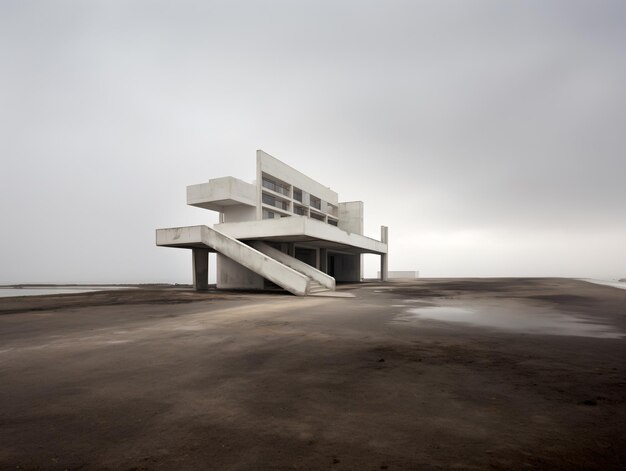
(320,280)
(203,238)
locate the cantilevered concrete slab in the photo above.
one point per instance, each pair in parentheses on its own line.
(303,229)
(222,192)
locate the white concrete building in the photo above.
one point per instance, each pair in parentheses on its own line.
(284,229)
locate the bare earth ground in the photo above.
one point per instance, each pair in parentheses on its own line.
(171,379)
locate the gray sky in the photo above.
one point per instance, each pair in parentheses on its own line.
(490,136)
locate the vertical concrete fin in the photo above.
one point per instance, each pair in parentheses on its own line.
(384,263)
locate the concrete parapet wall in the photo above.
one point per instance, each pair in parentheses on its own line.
(272,166)
(220,193)
(351,217)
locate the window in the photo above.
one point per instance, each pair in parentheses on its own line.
(301,210)
(332,222)
(273,201)
(316,202)
(297,194)
(275,186)
(319,217)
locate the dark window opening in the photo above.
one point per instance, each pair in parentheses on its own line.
(316,202)
(297,194)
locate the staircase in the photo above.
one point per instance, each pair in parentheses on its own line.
(318,281)
(275,266)
(198,236)
(315,287)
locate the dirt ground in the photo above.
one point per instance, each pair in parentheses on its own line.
(171,379)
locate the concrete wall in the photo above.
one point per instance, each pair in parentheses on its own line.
(272,166)
(232,275)
(238,213)
(351,217)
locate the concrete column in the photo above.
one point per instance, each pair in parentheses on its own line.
(200,269)
(291,249)
(324,260)
(384,269)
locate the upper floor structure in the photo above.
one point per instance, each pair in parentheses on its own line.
(279,191)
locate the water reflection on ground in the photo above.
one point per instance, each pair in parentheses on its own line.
(612,283)
(545,322)
(10,292)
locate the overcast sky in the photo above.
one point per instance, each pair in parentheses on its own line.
(490,136)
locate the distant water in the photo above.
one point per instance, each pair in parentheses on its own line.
(613,283)
(10,292)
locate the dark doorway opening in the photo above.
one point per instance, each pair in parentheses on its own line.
(307,256)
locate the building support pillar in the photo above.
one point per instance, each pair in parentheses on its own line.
(324,260)
(384,268)
(200,269)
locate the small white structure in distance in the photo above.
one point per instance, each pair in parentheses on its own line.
(402,275)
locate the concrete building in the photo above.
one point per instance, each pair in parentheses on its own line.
(285,229)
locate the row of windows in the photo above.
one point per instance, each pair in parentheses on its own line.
(283,189)
(274,215)
(267,214)
(275,186)
(298,195)
(273,201)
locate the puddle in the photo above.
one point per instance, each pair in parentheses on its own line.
(612,283)
(526,321)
